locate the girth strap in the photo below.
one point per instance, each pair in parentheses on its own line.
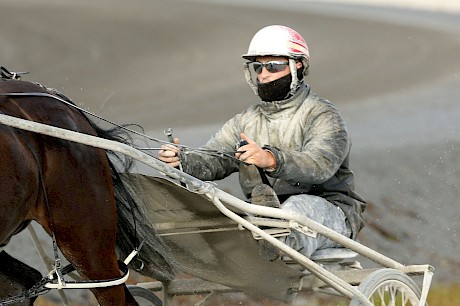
(52,281)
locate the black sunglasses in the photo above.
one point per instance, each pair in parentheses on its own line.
(272,66)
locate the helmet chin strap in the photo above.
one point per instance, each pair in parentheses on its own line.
(247,75)
(295,79)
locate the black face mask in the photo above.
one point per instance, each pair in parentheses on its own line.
(277,90)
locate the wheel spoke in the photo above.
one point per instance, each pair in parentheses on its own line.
(393,293)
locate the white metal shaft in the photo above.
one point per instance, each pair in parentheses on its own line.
(196,184)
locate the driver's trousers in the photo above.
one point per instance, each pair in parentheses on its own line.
(321,211)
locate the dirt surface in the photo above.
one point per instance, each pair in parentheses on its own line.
(394,75)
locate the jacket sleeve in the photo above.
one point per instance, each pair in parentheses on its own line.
(206,167)
(325,146)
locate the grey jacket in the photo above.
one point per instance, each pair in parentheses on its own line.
(310,142)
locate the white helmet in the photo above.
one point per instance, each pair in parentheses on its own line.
(278,40)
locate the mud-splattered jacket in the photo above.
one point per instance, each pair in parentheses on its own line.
(311,145)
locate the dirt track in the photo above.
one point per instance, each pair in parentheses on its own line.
(177,64)
(173,63)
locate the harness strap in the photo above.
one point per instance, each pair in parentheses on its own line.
(57,260)
(54,283)
(51,282)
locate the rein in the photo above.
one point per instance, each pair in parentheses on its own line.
(7,75)
(185,149)
(215,153)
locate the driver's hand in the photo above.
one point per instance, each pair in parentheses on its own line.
(253,153)
(170,154)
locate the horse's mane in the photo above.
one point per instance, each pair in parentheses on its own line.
(154,259)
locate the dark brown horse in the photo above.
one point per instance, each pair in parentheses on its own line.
(68,188)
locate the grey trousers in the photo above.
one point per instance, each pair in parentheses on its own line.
(321,211)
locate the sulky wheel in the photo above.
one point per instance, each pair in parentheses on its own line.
(144,297)
(387,287)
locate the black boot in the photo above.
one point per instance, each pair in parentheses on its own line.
(264,195)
